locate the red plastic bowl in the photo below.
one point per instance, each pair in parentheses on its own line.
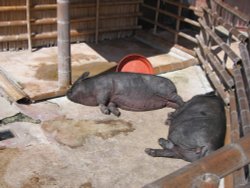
(135,63)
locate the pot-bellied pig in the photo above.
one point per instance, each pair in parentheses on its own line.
(128,91)
(195,130)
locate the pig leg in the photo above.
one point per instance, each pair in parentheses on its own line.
(165,144)
(104,109)
(161,153)
(167,151)
(102,100)
(177,100)
(113,109)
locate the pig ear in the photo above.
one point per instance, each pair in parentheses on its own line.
(84,75)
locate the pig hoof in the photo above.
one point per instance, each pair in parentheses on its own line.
(162,142)
(117,114)
(150,152)
(165,144)
(106,111)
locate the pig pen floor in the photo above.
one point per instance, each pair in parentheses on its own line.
(60,144)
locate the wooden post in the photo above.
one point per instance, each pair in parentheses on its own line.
(156,15)
(28,25)
(97,21)
(63,42)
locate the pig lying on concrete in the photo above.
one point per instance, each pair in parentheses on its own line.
(128,91)
(196,129)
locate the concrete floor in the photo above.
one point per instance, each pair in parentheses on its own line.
(76,146)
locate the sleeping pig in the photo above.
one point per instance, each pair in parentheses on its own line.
(196,129)
(128,91)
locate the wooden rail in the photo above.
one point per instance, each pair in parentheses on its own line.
(233,11)
(221,163)
(35,35)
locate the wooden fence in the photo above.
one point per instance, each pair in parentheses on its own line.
(167,15)
(32,23)
(229,74)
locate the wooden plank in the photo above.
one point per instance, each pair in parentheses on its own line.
(48,95)
(242,100)
(239,175)
(213,78)
(53,35)
(175,66)
(246,66)
(45,21)
(221,71)
(12,89)
(228,180)
(12,8)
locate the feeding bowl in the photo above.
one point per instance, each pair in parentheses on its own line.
(135,63)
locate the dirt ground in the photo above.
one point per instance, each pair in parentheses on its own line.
(76,146)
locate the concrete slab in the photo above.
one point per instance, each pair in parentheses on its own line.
(65,151)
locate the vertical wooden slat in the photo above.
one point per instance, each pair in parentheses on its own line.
(238,175)
(242,100)
(177,28)
(28,24)
(248,42)
(228,180)
(97,21)
(156,15)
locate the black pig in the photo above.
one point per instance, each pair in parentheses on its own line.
(196,129)
(128,91)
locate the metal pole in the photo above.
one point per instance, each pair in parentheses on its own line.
(63,42)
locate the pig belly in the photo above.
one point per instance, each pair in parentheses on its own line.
(140,104)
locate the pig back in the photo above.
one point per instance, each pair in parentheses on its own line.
(140,92)
(200,122)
